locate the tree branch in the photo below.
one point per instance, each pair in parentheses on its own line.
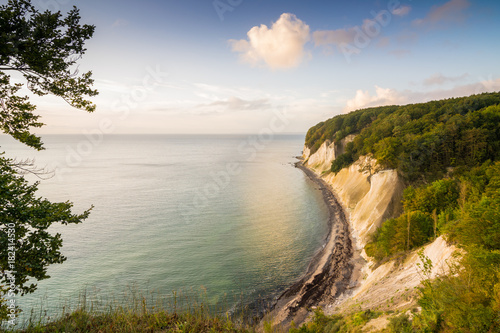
(27,165)
(13,68)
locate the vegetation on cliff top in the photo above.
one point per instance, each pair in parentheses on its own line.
(465,208)
(448,154)
(421,140)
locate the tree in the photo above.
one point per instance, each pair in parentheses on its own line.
(34,248)
(44,49)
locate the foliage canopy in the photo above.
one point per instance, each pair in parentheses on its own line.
(454,192)
(448,152)
(421,140)
(43,48)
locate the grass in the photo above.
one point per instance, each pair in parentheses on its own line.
(351,323)
(120,320)
(193,320)
(134,312)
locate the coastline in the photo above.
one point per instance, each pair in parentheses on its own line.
(330,272)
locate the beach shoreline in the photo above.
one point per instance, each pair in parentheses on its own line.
(330,272)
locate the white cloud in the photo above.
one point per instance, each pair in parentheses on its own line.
(401,11)
(386,96)
(452,11)
(489,85)
(440,79)
(369,29)
(279,47)
(359,35)
(339,36)
(283,44)
(383,96)
(233,104)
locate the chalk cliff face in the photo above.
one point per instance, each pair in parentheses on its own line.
(321,160)
(370,197)
(391,286)
(306,152)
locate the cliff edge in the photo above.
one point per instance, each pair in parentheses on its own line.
(370,196)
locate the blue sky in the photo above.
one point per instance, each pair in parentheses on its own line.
(227,66)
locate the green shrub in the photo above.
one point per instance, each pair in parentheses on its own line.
(400,324)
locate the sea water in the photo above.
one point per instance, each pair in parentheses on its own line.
(226,215)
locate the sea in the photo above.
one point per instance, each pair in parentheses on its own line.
(226,220)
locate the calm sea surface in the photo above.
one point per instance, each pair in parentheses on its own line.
(228,216)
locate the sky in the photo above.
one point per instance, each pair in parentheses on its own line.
(242,66)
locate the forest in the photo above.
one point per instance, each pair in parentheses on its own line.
(447,152)
(422,141)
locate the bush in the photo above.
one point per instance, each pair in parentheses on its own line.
(400,324)
(392,237)
(341,162)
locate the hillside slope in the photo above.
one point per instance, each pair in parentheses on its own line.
(408,177)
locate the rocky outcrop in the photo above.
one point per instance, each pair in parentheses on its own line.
(321,160)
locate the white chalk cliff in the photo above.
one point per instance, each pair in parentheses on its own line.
(371,196)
